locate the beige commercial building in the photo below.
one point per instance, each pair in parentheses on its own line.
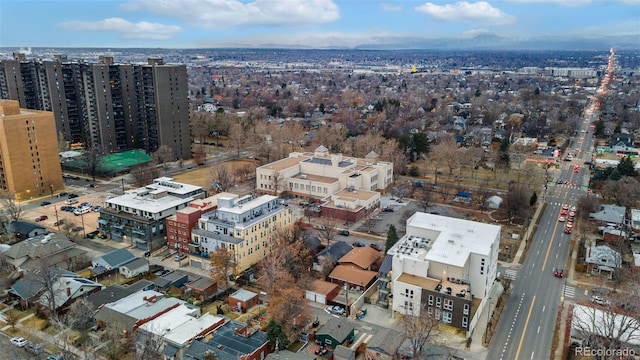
(29,161)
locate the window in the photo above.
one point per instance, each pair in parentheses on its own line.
(465,321)
(466,309)
(429,312)
(447,317)
(430,300)
(437,314)
(438,301)
(448,304)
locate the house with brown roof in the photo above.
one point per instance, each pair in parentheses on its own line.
(366,258)
(322,292)
(355,277)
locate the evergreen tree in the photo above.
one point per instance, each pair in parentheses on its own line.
(533,199)
(392,237)
(275,334)
(626,167)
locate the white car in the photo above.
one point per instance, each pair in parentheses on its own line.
(599,300)
(18,341)
(335,309)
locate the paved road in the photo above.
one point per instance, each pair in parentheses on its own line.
(526,327)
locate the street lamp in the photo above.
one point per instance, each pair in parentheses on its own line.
(84,232)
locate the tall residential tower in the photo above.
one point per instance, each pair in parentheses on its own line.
(116,106)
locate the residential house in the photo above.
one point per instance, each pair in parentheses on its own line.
(176,279)
(51,250)
(332,253)
(244,226)
(320,176)
(179,225)
(446,267)
(353,277)
(172,331)
(344,353)
(231,341)
(336,331)
(385,343)
(243,300)
(203,288)
(621,142)
(108,295)
(139,216)
(134,268)
(24,229)
(365,258)
(635,220)
(30,286)
(609,214)
(112,260)
(322,292)
(67,289)
(602,259)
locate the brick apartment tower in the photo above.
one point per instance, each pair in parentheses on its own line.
(29,160)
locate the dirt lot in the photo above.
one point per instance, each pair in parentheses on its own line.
(201,176)
(90,219)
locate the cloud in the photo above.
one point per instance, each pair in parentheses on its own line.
(567,3)
(478,12)
(475,32)
(390,7)
(215,14)
(124,28)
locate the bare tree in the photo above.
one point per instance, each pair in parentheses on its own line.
(586,205)
(115,341)
(163,156)
(446,191)
(222,263)
(238,137)
(10,206)
(603,328)
(92,159)
(482,194)
(516,202)
(221,177)
(419,328)
(277,183)
(79,318)
(143,174)
(425,198)
(328,228)
(446,152)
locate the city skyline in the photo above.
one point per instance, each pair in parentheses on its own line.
(307,23)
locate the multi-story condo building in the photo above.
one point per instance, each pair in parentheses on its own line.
(179,225)
(242,225)
(29,162)
(138,216)
(116,106)
(445,267)
(347,187)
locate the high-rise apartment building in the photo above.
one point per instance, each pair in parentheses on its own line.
(29,161)
(116,106)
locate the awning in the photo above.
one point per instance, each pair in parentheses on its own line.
(605,268)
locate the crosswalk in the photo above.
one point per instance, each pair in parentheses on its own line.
(569,292)
(510,274)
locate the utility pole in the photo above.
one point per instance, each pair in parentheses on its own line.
(55,208)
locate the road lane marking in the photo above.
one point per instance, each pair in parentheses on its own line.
(538,329)
(544,264)
(526,323)
(532,355)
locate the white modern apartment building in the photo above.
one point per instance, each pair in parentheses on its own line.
(243,225)
(138,216)
(446,267)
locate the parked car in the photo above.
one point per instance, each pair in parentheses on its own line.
(59,222)
(92,234)
(344,232)
(85,204)
(179,257)
(97,208)
(45,203)
(42,218)
(72,196)
(18,341)
(77,228)
(599,300)
(101,235)
(33,348)
(387,209)
(70,201)
(93,185)
(359,244)
(376,246)
(63,194)
(335,310)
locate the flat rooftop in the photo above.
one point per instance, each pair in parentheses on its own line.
(285,163)
(316,178)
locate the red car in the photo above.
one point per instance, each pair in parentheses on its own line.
(567,230)
(558,273)
(563,212)
(565,207)
(41,218)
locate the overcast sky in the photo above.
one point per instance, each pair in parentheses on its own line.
(315,23)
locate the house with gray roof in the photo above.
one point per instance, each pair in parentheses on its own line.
(66,290)
(113,259)
(602,259)
(52,250)
(609,214)
(30,286)
(385,342)
(344,353)
(131,309)
(134,268)
(334,252)
(231,341)
(335,332)
(25,229)
(175,278)
(108,295)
